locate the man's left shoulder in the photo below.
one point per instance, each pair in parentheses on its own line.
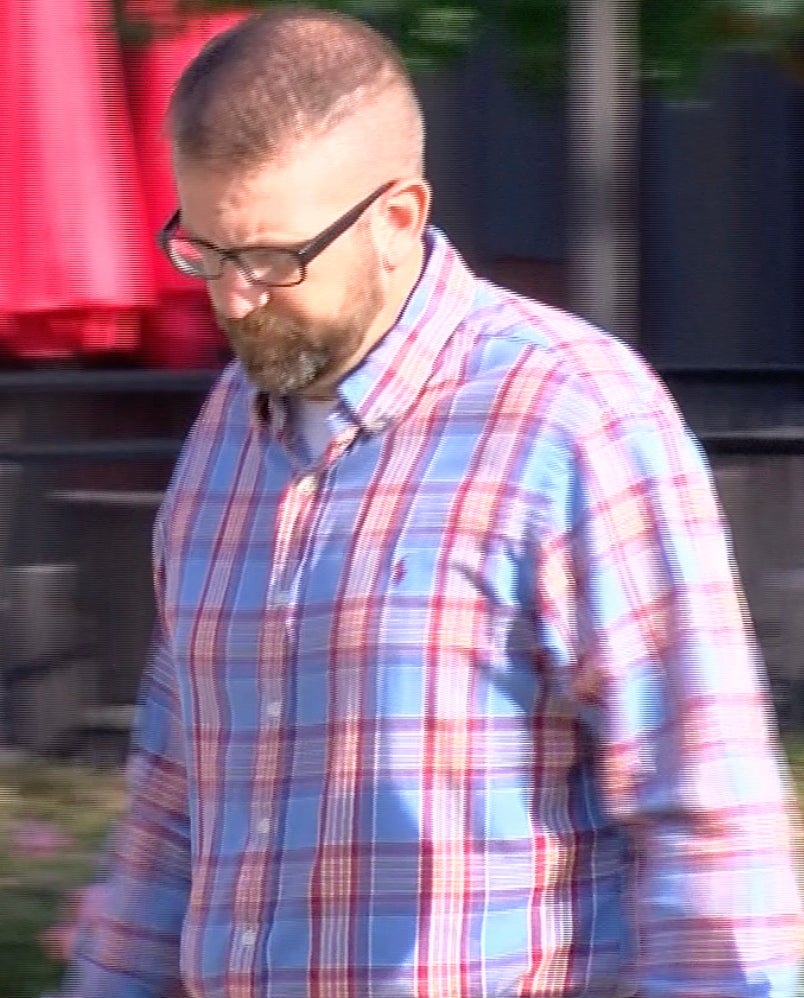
(540,341)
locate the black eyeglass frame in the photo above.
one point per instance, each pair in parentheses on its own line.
(304,254)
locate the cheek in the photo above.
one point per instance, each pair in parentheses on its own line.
(314,295)
(294,304)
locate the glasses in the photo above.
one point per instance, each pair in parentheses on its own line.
(268,266)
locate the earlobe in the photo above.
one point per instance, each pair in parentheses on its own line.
(398,248)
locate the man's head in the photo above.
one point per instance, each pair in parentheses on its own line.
(279,127)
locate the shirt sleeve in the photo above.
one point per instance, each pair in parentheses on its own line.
(131,948)
(647,628)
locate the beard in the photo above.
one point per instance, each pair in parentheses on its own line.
(283,355)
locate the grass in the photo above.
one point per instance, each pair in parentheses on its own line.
(794,749)
(80,804)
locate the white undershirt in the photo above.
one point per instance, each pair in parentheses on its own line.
(310,422)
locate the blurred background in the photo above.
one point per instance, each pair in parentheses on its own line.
(640,163)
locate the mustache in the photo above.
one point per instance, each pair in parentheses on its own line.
(259,318)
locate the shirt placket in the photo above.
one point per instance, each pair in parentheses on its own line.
(297,515)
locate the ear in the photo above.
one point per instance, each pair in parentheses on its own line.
(407,211)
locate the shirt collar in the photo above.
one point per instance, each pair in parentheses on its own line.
(386,382)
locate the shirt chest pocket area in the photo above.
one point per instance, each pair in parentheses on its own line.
(457,594)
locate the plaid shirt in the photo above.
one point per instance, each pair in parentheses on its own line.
(468,707)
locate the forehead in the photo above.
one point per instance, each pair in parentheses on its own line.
(291,199)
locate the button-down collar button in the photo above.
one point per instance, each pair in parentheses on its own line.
(306,485)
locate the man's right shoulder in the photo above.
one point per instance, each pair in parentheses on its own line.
(222,423)
(224,400)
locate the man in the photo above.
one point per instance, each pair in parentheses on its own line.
(453,694)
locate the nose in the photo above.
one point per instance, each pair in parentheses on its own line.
(233,295)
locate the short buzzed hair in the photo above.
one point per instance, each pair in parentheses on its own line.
(283,76)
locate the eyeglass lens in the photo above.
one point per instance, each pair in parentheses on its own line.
(262,265)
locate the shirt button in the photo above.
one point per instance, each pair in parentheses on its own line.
(272,710)
(248,937)
(307,485)
(264,826)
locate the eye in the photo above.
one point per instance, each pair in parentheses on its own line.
(271,266)
(191,257)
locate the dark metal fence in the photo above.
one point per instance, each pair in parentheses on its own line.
(82,585)
(768,401)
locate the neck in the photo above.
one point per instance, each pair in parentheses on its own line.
(405,280)
(403,285)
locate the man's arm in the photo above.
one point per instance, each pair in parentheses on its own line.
(648,630)
(132,948)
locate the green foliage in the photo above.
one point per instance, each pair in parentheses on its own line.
(674,39)
(536,33)
(25,970)
(84,802)
(674,36)
(429,32)
(78,805)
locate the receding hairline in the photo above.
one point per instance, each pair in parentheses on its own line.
(285,77)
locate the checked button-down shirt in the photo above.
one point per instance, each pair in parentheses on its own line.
(469,706)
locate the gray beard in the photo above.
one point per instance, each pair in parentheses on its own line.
(277,357)
(290,375)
